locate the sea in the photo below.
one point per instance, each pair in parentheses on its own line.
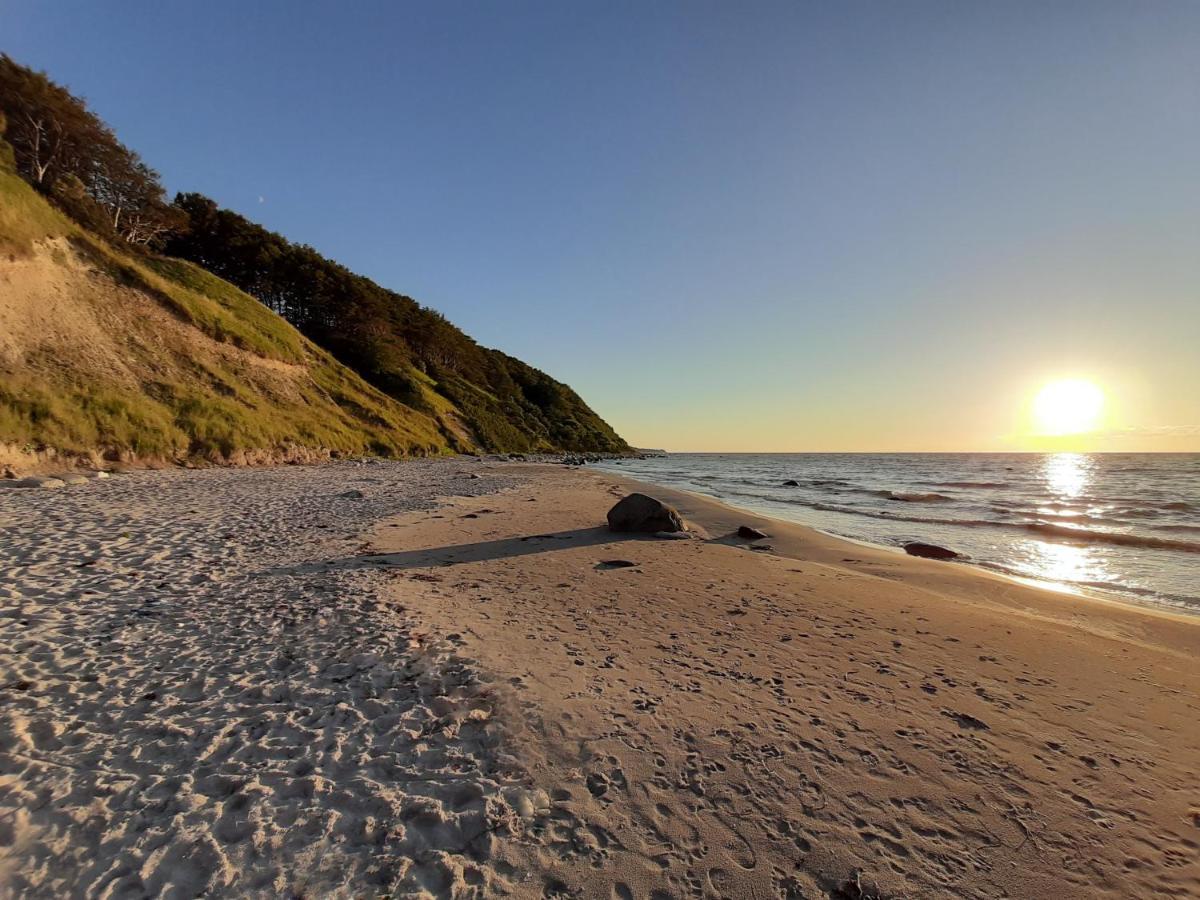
(1118,526)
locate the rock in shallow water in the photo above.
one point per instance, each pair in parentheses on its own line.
(928,551)
(637,512)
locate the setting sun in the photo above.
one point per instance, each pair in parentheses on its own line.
(1070,406)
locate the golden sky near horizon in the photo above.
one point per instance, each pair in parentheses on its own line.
(1070,411)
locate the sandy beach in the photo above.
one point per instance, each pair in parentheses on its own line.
(447,678)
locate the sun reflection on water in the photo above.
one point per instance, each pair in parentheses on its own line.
(1064,562)
(1067,474)
(1067,477)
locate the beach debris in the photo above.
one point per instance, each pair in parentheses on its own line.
(638,512)
(750,534)
(615,564)
(966,721)
(854,889)
(928,551)
(33,481)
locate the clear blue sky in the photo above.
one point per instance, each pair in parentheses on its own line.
(728,225)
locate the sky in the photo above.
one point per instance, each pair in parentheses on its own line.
(752,226)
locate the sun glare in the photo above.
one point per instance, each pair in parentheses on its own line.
(1070,406)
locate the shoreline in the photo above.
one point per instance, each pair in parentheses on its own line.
(712,512)
(710,720)
(1124,595)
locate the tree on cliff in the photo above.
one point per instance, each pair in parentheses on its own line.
(65,151)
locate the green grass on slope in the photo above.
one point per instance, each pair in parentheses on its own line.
(25,217)
(222,311)
(173,420)
(193,406)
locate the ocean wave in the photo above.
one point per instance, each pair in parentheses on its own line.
(1182,601)
(1051,530)
(1069,534)
(1191,528)
(885,515)
(915,497)
(1143,503)
(970,484)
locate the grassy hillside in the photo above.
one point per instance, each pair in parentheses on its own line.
(400,346)
(112,256)
(103,351)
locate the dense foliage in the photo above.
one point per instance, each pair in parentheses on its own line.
(481,397)
(66,152)
(391,340)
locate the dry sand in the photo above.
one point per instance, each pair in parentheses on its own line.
(189,708)
(312,682)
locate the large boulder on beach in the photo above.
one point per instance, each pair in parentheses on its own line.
(637,512)
(928,551)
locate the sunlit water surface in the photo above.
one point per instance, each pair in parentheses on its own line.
(1120,525)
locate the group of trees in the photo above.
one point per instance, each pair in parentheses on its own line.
(65,151)
(390,339)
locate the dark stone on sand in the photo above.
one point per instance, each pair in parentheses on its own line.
(791,482)
(928,551)
(750,534)
(615,564)
(637,512)
(966,721)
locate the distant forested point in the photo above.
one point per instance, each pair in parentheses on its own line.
(390,339)
(482,399)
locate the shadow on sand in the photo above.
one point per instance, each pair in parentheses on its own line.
(456,554)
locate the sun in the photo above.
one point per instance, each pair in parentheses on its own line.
(1069,406)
